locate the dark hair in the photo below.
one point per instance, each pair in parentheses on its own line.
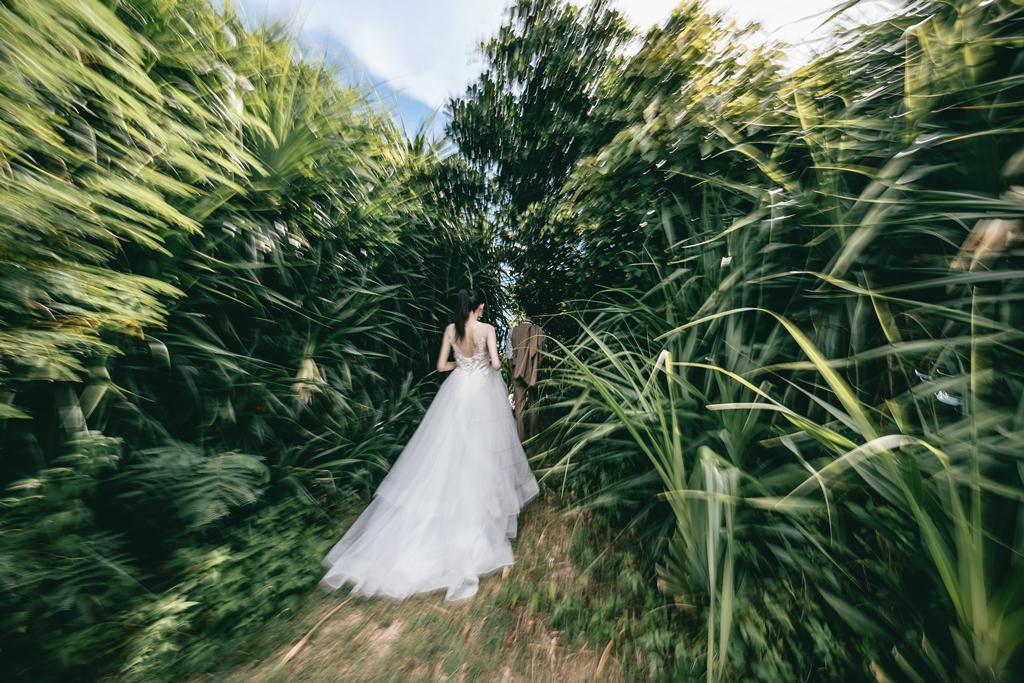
(467,301)
(530,309)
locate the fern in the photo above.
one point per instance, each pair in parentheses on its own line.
(59,572)
(198,487)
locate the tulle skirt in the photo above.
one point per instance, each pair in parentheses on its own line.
(445,512)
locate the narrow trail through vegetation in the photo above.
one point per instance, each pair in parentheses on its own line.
(498,635)
(785,307)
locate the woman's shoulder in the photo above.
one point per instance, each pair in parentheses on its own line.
(479,331)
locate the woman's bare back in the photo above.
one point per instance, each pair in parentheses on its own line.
(476,333)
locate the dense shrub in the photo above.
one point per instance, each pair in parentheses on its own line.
(796,354)
(223,276)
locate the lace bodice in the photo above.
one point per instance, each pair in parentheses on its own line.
(478,362)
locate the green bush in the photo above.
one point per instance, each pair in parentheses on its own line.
(63,578)
(223,276)
(266,565)
(797,374)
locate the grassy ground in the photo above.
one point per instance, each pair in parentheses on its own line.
(502,634)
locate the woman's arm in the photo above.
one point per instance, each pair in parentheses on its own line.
(492,347)
(443,364)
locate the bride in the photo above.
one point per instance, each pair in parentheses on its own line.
(445,511)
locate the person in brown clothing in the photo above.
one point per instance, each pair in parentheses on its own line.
(523,348)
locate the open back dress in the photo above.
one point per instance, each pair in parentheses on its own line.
(444,514)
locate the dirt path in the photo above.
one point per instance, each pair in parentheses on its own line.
(496,636)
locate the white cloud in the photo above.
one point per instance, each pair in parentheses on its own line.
(790,21)
(428,49)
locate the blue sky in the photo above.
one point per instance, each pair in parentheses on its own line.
(424,51)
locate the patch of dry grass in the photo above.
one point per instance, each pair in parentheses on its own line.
(486,638)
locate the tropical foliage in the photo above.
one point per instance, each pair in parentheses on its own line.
(222,277)
(784,367)
(799,378)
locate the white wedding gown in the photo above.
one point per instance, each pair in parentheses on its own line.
(443,515)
